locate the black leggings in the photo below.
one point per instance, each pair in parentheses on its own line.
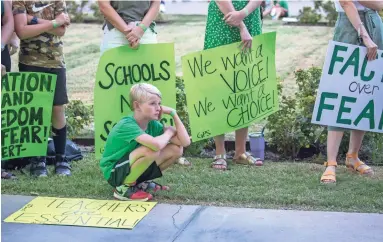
(6,59)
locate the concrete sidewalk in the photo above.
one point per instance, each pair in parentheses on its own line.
(200,223)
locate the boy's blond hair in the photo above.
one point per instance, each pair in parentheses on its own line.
(140,92)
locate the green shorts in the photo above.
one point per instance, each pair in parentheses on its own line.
(346,33)
(122,169)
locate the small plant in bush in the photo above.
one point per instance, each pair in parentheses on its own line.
(282,129)
(308,16)
(308,83)
(75,10)
(181,103)
(372,148)
(290,129)
(312,16)
(329,8)
(78,116)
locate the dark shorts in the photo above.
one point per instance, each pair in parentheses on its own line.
(122,169)
(6,59)
(61,96)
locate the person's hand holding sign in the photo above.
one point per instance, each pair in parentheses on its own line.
(372,48)
(246,38)
(171,129)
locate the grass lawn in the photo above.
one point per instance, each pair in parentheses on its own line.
(282,185)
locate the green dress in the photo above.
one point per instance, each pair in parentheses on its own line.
(219,33)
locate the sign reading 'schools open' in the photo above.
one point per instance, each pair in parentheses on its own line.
(350,93)
(26,109)
(227,90)
(118,70)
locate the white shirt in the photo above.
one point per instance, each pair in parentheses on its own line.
(358,6)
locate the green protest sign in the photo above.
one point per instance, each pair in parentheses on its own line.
(118,70)
(227,89)
(26,109)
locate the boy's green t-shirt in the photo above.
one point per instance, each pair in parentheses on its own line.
(122,140)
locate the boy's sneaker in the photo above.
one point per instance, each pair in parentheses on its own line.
(152,186)
(38,167)
(62,166)
(129,193)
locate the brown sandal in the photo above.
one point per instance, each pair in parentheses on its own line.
(247,159)
(219,160)
(328,177)
(359,166)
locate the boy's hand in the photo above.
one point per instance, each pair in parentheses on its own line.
(166,110)
(171,129)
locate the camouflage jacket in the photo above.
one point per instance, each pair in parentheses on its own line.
(44,50)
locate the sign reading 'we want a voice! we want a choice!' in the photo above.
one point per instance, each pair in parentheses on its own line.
(227,89)
(350,93)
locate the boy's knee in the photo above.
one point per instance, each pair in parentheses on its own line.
(144,152)
(178,150)
(151,154)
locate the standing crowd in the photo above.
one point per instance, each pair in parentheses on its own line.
(139,148)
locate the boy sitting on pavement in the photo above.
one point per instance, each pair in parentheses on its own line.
(139,147)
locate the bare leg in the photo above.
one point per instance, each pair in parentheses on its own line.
(333,142)
(58,117)
(140,159)
(356,139)
(220,150)
(240,141)
(169,155)
(220,144)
